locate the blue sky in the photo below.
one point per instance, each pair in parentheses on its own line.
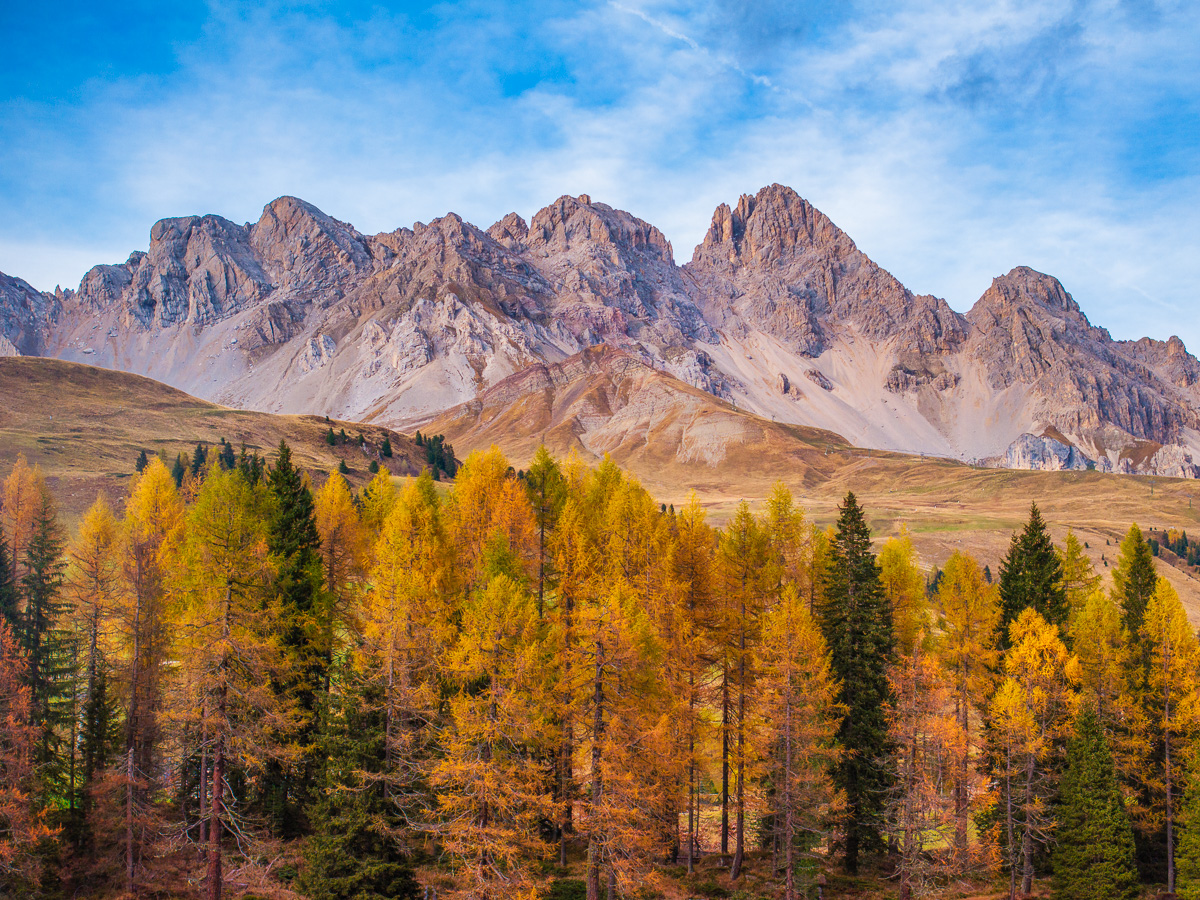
(951,140)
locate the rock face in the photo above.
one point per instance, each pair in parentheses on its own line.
(777,312)
(1032,452)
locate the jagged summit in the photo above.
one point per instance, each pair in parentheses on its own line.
(778,311)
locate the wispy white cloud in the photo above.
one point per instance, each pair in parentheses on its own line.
(952,141)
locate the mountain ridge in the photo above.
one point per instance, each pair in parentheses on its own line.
(778,312)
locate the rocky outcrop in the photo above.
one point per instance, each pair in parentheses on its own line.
(1045,453)
(25,316)
(299,312)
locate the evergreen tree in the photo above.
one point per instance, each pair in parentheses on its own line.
(386,449)
(9,611)
(142,461)
(179,470)
(1093,854)
(227,459)
(342,468)
(1187,854)
(330,437)
(1134,580)
(199,459)
(1031,577)
(857,622)
(294,544)
(357,848)
(47,645)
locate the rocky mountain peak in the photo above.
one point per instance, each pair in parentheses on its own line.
(302,247)
(570,222)
(768,228)
(1027,289)
(510,232)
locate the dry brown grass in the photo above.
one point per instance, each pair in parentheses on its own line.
(85,427)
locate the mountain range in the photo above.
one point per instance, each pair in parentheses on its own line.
(579,325)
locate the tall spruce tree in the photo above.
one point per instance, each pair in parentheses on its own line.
(857,622)
(1094,854)
(1031,577)
(47,645)
(294,544)
(1134,580)
(9,611)
(357,848)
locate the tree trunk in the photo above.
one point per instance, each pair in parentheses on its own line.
(1027,834)
(593,860)
(724,764)
(1169,787)
(740,852)
(789,816)
(214,821)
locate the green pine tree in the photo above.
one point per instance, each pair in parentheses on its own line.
(47,645)
(1134,579)
(1031,576)
(179,469)
(142,461)
(294,544)
(386,449)
(857,621)
(1187,850)
(9,611)
(1093,853)
(330,437)
(356,850)
(199,459)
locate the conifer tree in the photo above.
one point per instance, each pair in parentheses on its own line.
(92,591)
(904,587)
(1172,709)
(386,449)
(23,821)
(1187,883)
(1079,578)
(357,849)
(150,533)
(10,612)
(142,461)
(742,557)
(857,625)
(801,719)
(231,657)
(294,544)
(1134,580)
(547,493)
(967,649)
(179,469)
(343,555)
(22,495)
(1093,850)
(489,791)
(46,641)
(691,568)
(1028,717)
(1031,577)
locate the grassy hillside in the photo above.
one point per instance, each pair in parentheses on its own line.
(85,427)
(678,439)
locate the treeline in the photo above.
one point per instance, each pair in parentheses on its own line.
(549,665)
